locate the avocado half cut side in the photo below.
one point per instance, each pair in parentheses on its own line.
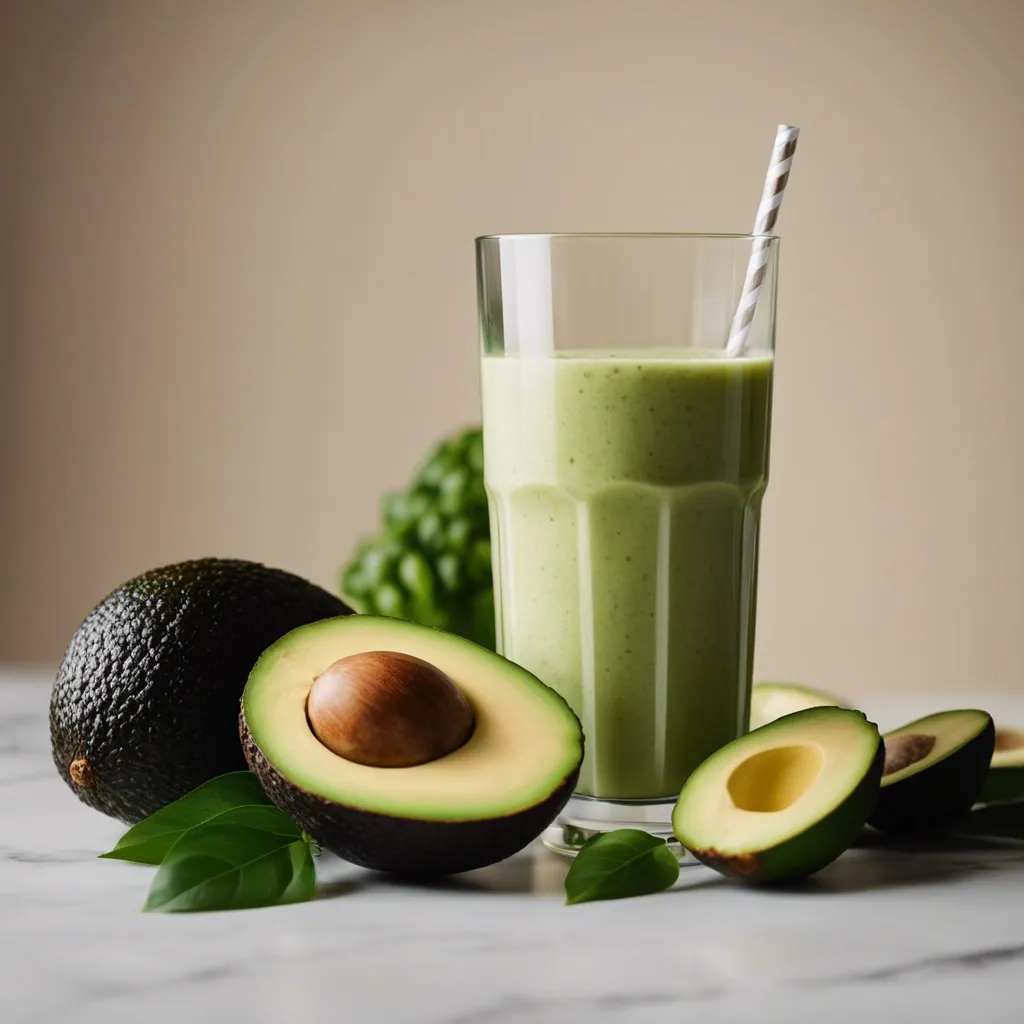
(472,807)
(782,802)
(1005,779)
(769,701)
(935,769)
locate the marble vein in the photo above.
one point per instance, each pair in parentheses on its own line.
(517,1008)
(972,960)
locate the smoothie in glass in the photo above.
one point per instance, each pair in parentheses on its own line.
(625,491)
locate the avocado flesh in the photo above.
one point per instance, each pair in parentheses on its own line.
(784,801)
(936,768)
(479,804)
(144,708)
(769,701)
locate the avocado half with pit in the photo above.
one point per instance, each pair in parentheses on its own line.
(935,769)
(769,701)
(1005,779)
(784,801)
(403,748)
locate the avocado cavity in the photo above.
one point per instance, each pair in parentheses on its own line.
(774,779)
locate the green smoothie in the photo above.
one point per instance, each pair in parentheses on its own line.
(625,494)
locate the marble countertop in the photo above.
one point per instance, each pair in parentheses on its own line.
(904,935)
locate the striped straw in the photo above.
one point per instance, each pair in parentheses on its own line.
(767,215)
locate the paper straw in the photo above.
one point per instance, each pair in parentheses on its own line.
(526,295)
(767,214)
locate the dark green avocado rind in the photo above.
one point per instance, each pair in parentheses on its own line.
(404,846)
(1003,783)
(149,686)
(941,791)
(806,852)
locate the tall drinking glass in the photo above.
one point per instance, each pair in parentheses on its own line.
(625,458)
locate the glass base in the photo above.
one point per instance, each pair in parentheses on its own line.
(585,817)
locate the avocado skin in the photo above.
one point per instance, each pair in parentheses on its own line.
(809,851)
(939,793)
(149,686)
(1002,784)
(404,846)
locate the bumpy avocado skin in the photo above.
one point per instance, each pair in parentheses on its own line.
(939,793)
(148,690)
(809,851)
(431,562)
(405,846)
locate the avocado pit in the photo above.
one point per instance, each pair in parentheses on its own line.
(388,710)
(906,749)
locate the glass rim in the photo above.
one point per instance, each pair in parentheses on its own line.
(706,235)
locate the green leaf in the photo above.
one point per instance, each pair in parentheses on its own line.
(626,862)
(231,867)
(262,816)
(149,840)
(1004,821)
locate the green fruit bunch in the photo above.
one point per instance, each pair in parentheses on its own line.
(431,562)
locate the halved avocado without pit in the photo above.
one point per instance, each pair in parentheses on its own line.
(472,806)
(934,772)
(769,701)
(785,800)
(1005,779)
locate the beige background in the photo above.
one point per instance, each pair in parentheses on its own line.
(238,291)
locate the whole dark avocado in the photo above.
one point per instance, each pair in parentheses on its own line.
(145,704)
